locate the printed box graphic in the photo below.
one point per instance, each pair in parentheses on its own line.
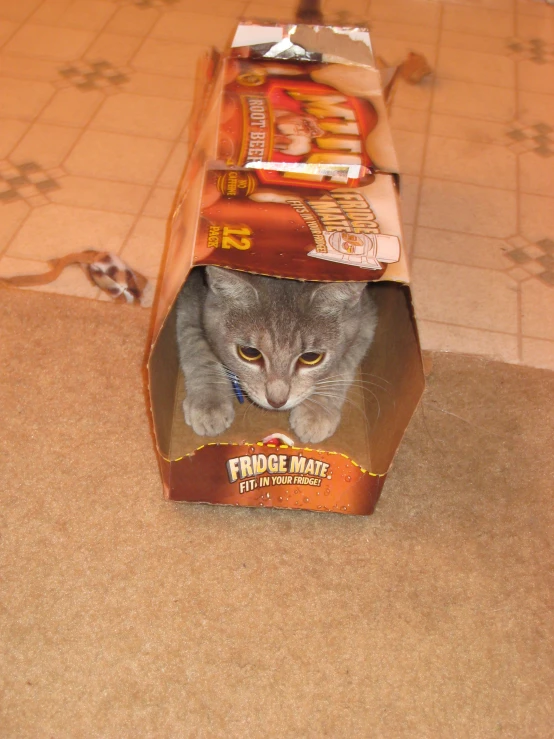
(293,175)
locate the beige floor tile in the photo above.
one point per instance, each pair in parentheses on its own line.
(404,32)
(469,161)
(443,337)
(408,238)
(518,274)
(535,106)
(406,119)
(48,42)
(160,203)
(158,85)
(133,20)
(23,99)
(464,296)
(89,15)
(453,97)
(417,97)
(467,208)
(194,28)
(409,148)
(538,353)
(394,51)
(173,171)
(49,11)
(409,193)
(356,9)
(13,216)
(117,157)
(168,58)
(72,107)
(472,42)
(534,77)
(7,28)
(10,133)
(461,248)
(228,8)
(467,129)
(23,67)
(86,192)
(289,4)
(18,11)
(142,115)
(72,280)
(537,310)
(46,144)
(145,247)
(55,230)
(270,12)
(114,48)
(478,21)
(418,12)
(475,66)
(532,7)
(536,26)
(504,5)
(536,217)
(536,174)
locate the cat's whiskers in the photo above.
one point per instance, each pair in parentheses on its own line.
(357,406)
(360,374)
(345,386)
(348,383)
(315,402)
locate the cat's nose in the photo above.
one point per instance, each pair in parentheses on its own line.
(277,393)
(276,403)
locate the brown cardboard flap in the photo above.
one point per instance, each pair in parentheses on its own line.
(395,361)
(163,371)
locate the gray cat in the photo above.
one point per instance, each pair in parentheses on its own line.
(292,345)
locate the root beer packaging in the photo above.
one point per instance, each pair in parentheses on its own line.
(292,175)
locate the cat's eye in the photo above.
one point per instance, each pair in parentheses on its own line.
(249,353)
(310,358)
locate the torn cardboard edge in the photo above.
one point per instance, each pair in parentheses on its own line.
(359,455)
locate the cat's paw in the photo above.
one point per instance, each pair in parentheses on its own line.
(208,416)
(313,424)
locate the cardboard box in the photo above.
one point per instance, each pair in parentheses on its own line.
(293,175)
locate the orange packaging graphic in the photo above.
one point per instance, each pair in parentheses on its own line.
(293,176)
(302,232)
(275,113)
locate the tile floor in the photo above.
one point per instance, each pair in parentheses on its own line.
(95,97)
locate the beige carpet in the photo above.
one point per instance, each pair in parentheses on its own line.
(126,616)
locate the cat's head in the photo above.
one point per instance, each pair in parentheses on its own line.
(281,337)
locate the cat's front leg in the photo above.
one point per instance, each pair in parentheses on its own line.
(314,421)
(208,410)
(318,417)
(208,406)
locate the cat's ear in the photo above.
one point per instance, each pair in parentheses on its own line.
(332,296)
(230,285)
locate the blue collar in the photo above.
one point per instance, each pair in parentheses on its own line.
(237,388)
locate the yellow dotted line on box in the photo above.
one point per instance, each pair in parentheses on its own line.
(274,446)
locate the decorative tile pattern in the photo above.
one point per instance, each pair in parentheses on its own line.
(97,75)
(25,181)
(536,50)
(538,138)
(94,98)
(534,259)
